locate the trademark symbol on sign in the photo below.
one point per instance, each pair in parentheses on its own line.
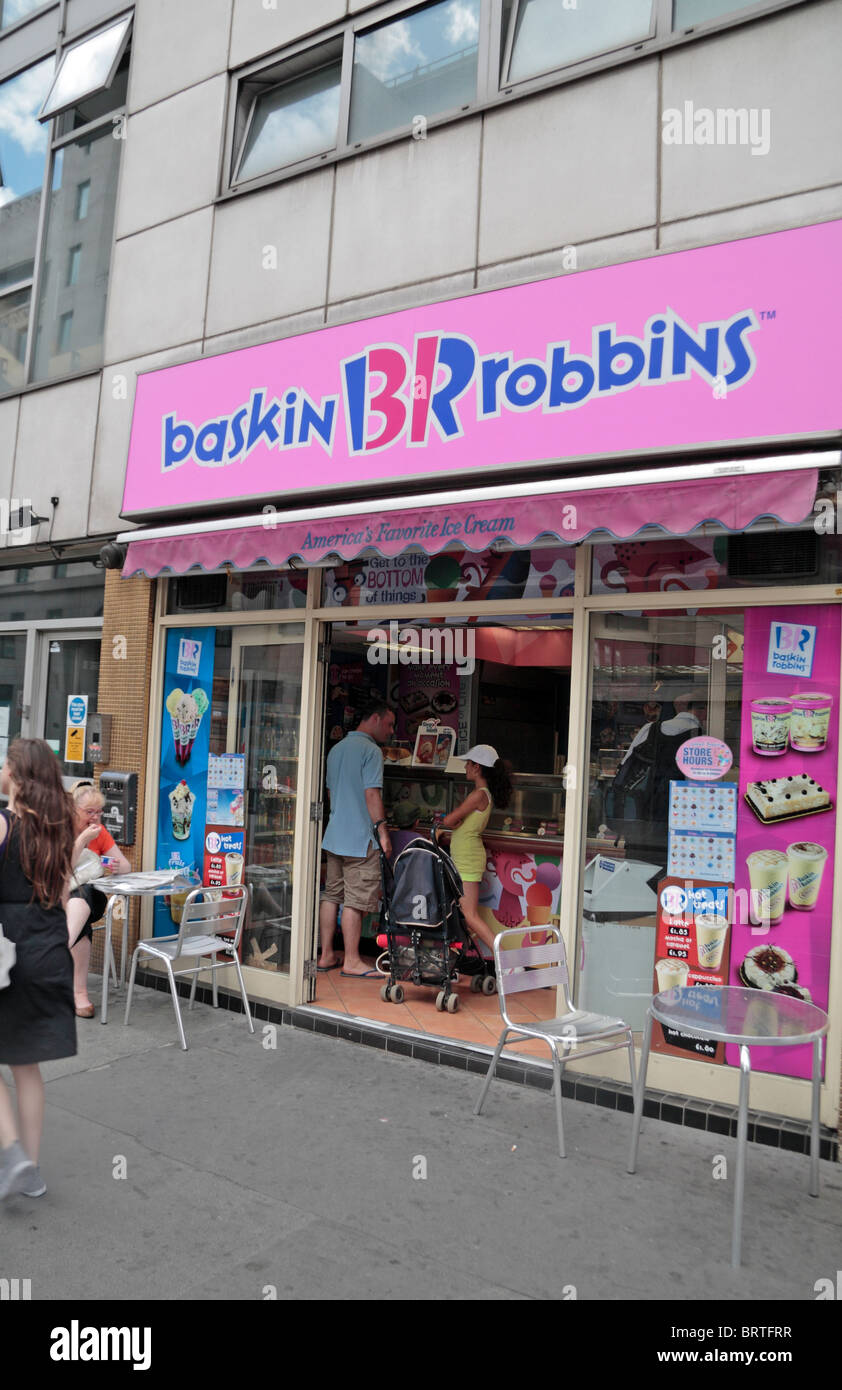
(767,313)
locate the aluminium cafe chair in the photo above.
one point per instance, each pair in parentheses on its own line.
(518,969)
(210,927)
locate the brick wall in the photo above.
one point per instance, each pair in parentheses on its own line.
(124,674)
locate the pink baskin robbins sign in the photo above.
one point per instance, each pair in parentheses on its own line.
(723,343)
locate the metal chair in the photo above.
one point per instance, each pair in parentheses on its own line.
(222,919)
(517,970)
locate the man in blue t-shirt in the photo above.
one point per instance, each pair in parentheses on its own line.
(354,780)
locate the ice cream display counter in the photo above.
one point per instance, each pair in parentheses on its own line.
(524,842)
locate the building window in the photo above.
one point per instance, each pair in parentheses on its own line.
(544,35)
(65,325)
(371,77)
(294,119)
(687,12)
(41,110)
(83,193)
(13,10)
(73,257)
(422,63)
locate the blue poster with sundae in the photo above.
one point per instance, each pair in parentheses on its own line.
(185,752)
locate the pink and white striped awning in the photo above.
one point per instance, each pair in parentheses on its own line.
(674,501)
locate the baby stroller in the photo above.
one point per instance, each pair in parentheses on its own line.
(422,930)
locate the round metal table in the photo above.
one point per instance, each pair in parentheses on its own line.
(152,884)
(748,1018)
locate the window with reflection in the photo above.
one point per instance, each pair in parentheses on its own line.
(13,10)
(548,35)
(423,63)
(687,12)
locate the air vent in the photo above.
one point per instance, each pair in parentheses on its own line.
(774,556)
(200,593)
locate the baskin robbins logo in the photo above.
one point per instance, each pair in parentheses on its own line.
(387,396)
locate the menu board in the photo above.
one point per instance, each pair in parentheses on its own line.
(786,826)
(692,944)
(702,830)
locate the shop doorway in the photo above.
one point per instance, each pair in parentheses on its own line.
(264,729)
(499,680)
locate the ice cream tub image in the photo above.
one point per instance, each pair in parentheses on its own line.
(805,862)
(770,722)
(810,721)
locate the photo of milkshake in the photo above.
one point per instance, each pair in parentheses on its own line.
(767,871)
(810,721)
(672,974)
(805,861)
(233,869)
(711,935)
(182,802)
(770,724)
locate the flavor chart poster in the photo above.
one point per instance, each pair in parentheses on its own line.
(786,823)
(185,749)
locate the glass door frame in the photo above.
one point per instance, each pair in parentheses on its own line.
(266,635)
(40,639)
(261,985)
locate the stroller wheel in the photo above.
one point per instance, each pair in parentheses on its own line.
(440,1001)
(452,1003)
(385,991)
(488,985)
(476,984)
(395,995)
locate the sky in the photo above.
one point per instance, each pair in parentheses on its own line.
(422,38)
(23,141)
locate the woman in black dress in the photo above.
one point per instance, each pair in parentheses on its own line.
(37,1012)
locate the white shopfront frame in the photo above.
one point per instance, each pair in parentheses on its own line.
(775,1094)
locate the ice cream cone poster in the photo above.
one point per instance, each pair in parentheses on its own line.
(520,888)
(185,748)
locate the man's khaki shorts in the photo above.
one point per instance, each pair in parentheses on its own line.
(353,882)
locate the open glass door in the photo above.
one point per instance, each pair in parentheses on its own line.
(264,725)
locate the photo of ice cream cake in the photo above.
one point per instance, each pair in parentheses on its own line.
(768,967)
(781,798)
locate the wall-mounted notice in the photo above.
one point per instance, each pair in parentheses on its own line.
(74,733)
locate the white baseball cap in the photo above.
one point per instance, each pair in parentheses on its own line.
(481,753)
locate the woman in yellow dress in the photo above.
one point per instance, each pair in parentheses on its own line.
(492,787)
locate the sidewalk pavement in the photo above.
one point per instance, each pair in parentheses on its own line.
(250,1169)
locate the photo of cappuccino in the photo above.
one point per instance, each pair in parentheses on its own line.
(672,974)
(805,862)
(711,935)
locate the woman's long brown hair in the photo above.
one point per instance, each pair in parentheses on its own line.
(44,812)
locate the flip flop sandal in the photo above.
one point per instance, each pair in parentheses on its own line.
(323,969)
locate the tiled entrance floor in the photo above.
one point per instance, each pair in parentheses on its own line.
(477,1019)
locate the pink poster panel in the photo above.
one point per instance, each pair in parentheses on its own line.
(786,824)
